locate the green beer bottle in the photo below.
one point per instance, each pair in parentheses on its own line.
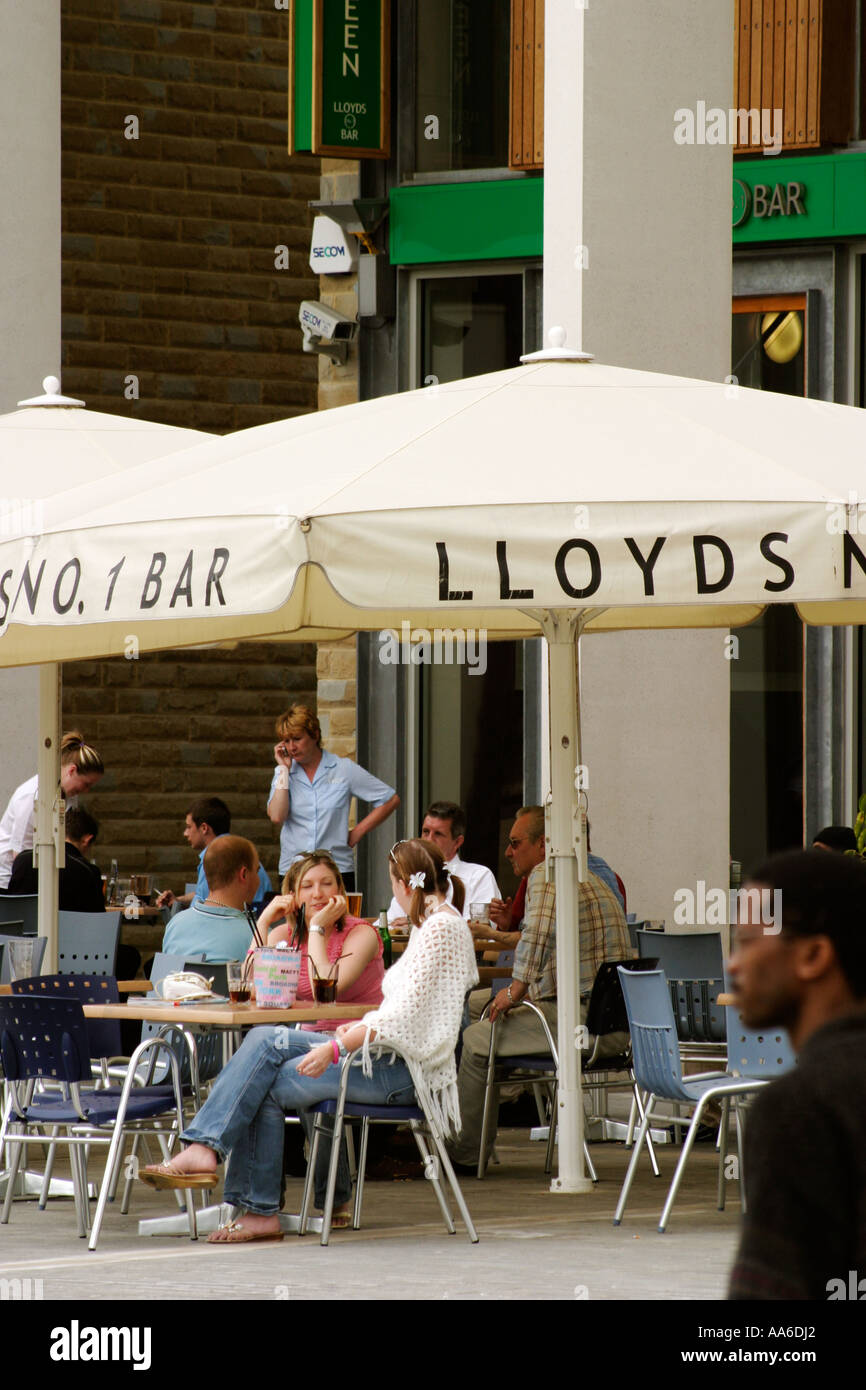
(384,933)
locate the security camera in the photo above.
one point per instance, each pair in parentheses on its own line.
(326,329)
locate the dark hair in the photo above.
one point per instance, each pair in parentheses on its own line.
(84,759)
(224,858)
(212,811)
(839,837)
(80,823)
(823,895)
(450,811)
(409,857)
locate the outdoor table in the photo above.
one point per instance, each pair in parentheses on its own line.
(227,1016)
(230,1016)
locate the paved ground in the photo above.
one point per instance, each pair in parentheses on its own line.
(533,1244)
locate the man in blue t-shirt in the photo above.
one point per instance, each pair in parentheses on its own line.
(218,928)
(206,820)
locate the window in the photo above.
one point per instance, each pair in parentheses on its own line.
(462,53)
(768,352)
(470,324)
(769,343)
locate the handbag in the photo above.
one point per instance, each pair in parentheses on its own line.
(185,985)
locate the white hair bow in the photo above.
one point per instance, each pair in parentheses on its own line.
(417,879)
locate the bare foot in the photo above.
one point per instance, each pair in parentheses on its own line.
(195,1159)
(246,1226)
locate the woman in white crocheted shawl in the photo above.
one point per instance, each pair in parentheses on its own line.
(280,1069)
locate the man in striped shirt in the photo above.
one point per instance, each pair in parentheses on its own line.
(603,936)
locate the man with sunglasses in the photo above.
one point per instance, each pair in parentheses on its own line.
(603,936)
(804,1228)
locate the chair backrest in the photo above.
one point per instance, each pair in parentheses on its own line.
(692,962)
(19,907)
(759,1053)
(684,955)
(606,1011)
(655,1046)
(633,928)
(104,1033)
(43,1037)
(39,945)
(209,1046)
(87,942)
(764,1052)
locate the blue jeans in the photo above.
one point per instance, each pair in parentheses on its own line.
(244,1115)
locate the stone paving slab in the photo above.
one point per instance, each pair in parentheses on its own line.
(534,1244)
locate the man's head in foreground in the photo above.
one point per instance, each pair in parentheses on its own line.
(808,966)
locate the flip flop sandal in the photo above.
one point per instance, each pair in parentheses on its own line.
(163,1175)
(341,1221)
(235,1233)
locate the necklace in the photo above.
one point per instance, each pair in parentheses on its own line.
(215,902)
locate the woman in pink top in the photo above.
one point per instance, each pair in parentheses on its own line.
(327,934)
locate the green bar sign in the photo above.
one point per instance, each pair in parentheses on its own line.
(340,67)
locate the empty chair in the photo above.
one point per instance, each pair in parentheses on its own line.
(103,1033)
(46,1039)
(692,962)
(87,942)
(39,944)
(761,1054)
(19,907)
(693,955)
(658,1071)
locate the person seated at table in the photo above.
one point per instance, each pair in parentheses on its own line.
(279,1069)
(79,881)
(325,934)
(445,824)
(206,820)
(221,927)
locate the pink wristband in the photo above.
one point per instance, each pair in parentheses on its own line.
(336,1052)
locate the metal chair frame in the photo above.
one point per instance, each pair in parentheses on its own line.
(658,1070)
(424,1128)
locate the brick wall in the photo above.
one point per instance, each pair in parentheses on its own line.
(175,726)
(168,239)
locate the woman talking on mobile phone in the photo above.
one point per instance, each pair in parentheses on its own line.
(310,794)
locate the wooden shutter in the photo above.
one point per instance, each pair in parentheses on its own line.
(796,56)
(526,125)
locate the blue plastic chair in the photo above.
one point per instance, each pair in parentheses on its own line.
(692,962)
(87,943)
(47,1039)
(422,1126)
(658,1070)
(761,1054)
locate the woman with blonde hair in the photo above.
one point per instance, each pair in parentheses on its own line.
(277,1071)
(80,769)
(310,794)
(324,933)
